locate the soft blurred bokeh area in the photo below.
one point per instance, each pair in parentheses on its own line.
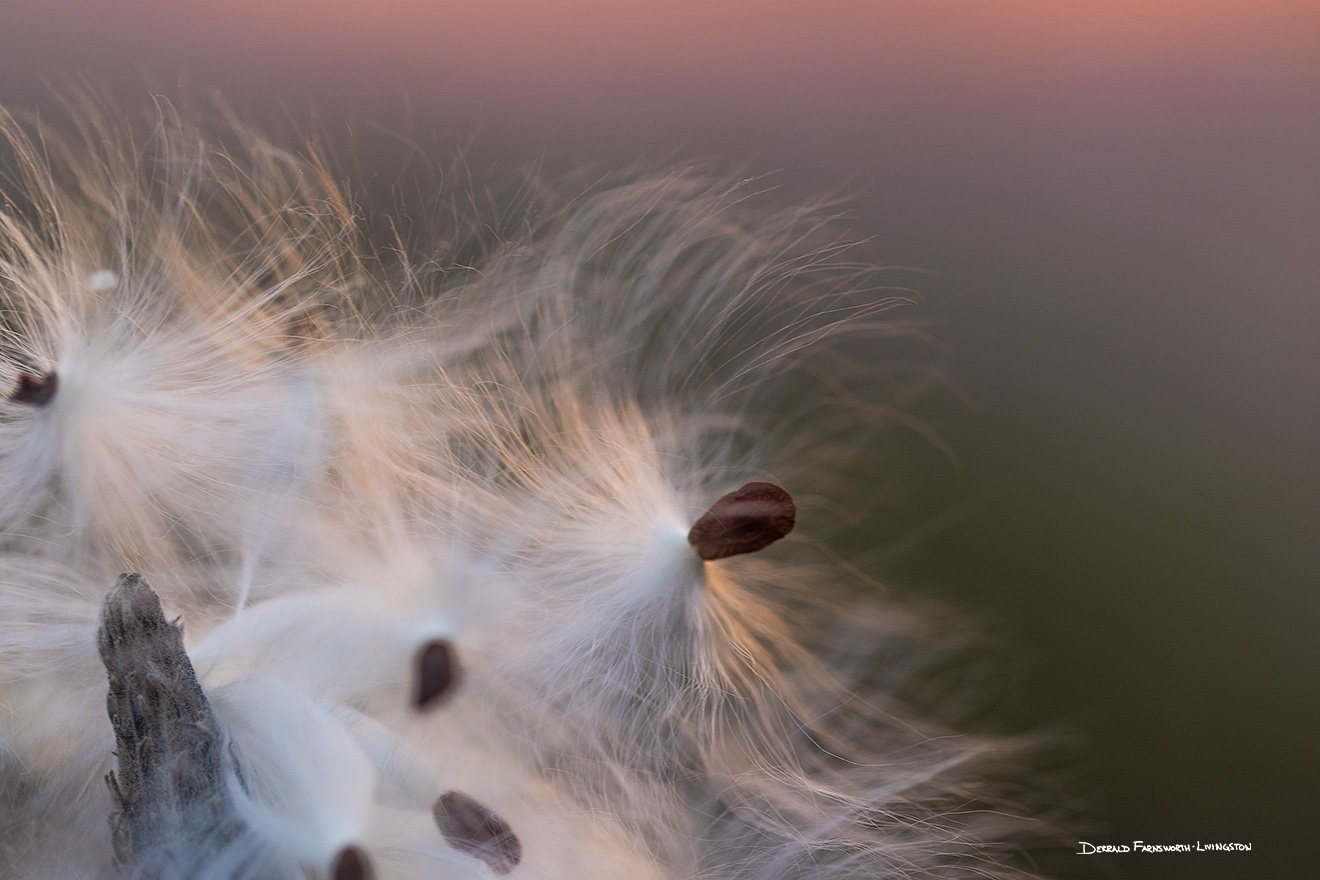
(1119,203)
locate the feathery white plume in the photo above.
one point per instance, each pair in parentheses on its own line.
(512,568)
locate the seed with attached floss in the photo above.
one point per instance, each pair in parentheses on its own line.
(35,390)
(437,672)
(471,828)
(746,520)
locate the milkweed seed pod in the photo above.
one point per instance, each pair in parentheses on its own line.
(518,567)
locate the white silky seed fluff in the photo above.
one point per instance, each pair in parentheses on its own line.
(323,460)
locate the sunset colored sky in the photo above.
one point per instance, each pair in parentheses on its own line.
(576,56)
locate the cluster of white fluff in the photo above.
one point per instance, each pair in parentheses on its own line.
(425,519)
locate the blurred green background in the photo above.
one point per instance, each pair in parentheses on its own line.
(1119,205)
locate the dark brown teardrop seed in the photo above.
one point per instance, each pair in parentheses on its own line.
(744,521)
(351,863)
(436,670)
(471,828)
(35,390)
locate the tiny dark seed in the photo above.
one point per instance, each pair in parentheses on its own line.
(471,828)
(351,863)
(437,674)
(744,521)
(35,390)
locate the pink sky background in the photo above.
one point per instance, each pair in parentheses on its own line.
(578,56)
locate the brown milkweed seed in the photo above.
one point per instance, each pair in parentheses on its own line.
(351,863)
(471,828)
(436,674)
(35,390)
(744,521)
